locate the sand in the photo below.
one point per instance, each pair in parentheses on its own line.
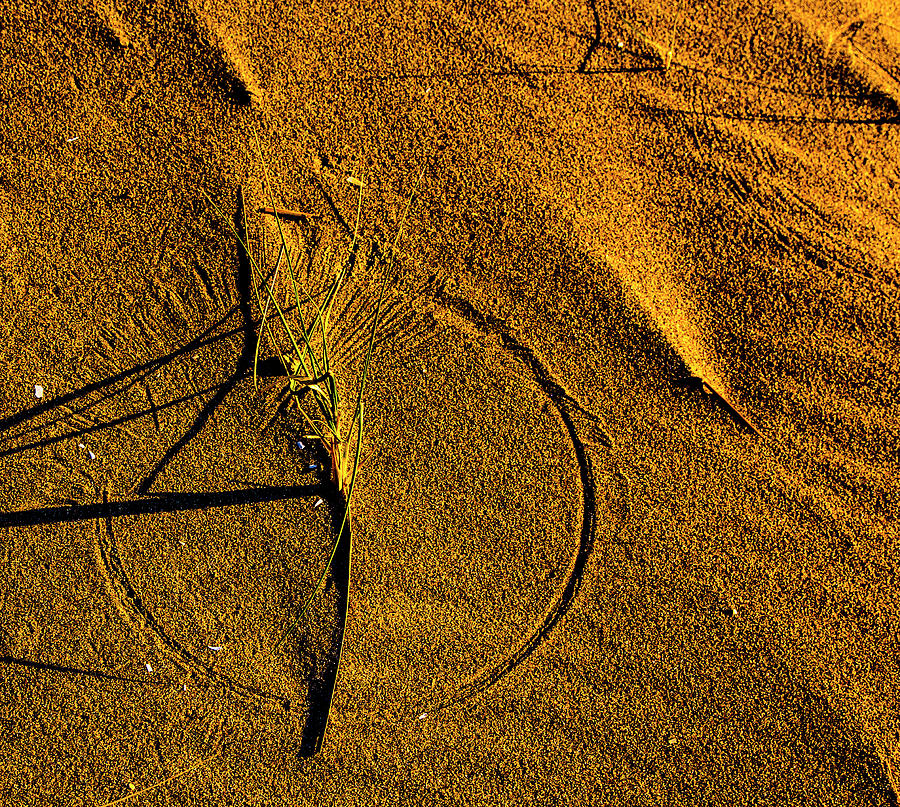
(625,530)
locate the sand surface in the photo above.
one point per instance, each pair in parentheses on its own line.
(625,530)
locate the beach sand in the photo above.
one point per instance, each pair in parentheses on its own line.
(625,528)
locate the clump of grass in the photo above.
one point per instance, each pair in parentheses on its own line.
(315,383)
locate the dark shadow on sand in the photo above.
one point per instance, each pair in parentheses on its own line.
(150,503)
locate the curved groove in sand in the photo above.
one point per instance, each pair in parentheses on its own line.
(138,617)
(562,402)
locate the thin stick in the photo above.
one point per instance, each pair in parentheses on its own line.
(164,782)
(288,214)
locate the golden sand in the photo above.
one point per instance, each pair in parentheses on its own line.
(625,526)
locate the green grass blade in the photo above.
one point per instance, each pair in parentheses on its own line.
(328,401)
(264,325)
(257,271)
(311,354)
(323,404)
(376,320)
(345,615)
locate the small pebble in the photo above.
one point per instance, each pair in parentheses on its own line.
(38,391)
(149,668)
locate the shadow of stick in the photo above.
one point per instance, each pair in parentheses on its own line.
(245,361)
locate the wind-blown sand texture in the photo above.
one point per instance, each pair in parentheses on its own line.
(626,525)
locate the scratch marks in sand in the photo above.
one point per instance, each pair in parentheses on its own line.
(568,410)
(865,45)
(789,189)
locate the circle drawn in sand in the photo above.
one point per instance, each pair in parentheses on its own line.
(493,488)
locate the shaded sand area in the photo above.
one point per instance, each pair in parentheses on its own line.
(625,529)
